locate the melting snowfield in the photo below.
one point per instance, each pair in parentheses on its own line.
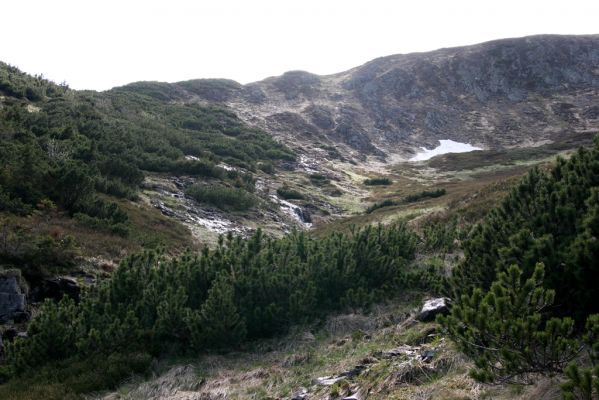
(446,146)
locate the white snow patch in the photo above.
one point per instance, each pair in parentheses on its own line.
(446,146)
(214,224)
(227,167)
(32,109)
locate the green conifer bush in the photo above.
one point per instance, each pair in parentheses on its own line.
(506,332)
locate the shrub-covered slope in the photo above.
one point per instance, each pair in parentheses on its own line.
(64,145)
(75,160)
(550,217)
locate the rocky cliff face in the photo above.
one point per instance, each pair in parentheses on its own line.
(513,92)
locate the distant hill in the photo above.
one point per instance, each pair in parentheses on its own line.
(512,92)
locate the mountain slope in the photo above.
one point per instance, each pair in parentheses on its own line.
(535,91)
(200,151)
(513,92)
(76,165)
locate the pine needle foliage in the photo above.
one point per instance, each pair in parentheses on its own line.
(550,217)
(583,383)
(218,299)
(505,332)
(67,146)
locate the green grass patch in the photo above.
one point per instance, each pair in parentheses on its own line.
(318,179)
(288,193)
(378,182)
(425,194)
(413,198)
(222,197)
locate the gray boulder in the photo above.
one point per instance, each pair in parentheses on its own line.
(433,307)
(12,297)
(303,214)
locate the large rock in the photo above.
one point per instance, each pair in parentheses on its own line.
(56,288)
(434,307)
(12,297)
(303,214)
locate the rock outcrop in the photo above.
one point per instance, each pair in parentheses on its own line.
(12,297)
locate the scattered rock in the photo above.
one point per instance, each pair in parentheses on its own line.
(355,396)
(303,214)
(328,380)
(164,209)
(428,355)
(434,307)
(331,380)
(355,371)
(592,112)
(403,350)
(301,394)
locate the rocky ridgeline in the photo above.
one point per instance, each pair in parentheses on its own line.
(512,92)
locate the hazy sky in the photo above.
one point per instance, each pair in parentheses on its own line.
(94,44)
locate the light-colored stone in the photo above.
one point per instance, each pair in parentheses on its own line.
(432,308)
